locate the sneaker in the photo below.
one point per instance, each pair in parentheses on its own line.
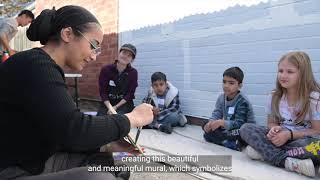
(301,166)
(253,154)
(165,128)
(147,127)
(183,120)
(231,145)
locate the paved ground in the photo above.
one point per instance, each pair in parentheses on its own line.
(189,141)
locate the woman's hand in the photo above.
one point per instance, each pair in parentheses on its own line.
(12,52)
(122,146)
(281,138)
(109,112)
(110,108)
(141,115)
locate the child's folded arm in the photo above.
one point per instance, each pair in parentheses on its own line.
(218,111)
(217,114)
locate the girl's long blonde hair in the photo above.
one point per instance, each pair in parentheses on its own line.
(306,84)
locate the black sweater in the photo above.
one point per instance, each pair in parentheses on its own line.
(38,116)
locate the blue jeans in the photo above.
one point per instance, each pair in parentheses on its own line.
(173,119)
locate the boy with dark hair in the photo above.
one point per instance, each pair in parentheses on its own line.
(232,110)
(27,13)
(9,28)
(165,99)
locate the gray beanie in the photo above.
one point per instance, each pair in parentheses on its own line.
(130,48)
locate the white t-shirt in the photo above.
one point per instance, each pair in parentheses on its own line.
(8,27)
(289,114)
(160,102)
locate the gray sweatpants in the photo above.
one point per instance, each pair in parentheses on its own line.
(64,166)
(304,148)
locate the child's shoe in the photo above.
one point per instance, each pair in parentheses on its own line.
(301,166)
(182,120)
(253,154)
(166,128)
(231,144)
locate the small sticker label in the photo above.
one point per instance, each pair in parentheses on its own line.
(111,83)
(231,110)
(161,101)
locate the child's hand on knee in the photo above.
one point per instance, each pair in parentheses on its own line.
(281,138)
(273,131)
(206,127)
(213,125)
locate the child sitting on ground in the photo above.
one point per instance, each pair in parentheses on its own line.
(165,99)
(292,138)
(232,110)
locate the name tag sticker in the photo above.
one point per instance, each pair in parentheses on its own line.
(161,101)
(231,110)
(111,83)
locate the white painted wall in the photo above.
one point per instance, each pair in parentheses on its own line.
(194,51)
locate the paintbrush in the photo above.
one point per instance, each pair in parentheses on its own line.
(140,128)
(129,138)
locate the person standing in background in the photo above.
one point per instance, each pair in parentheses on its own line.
(9,28)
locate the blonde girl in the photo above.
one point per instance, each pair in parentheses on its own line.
(291,139)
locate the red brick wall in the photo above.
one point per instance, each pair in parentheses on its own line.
(106,12)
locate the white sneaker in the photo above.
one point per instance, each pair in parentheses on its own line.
(183,120)
(301,166)
(253,154)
